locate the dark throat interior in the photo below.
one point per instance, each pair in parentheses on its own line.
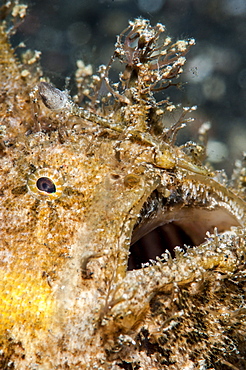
(161,227)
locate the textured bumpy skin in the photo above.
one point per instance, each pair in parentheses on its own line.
(74,184)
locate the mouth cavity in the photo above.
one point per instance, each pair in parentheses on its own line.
(165,223)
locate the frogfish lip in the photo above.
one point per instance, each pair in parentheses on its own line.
(179,220)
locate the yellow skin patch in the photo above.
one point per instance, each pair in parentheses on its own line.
(26,299)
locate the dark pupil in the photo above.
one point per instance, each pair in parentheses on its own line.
(45,184)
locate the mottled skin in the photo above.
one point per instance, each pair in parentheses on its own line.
(67,300)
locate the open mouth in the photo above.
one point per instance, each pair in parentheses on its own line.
(179,220)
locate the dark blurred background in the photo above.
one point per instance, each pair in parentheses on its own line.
(67,30)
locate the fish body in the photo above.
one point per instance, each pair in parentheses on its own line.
(85,284)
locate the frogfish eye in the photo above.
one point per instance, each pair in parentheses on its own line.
(46,184)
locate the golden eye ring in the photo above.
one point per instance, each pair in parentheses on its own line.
(45,184)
